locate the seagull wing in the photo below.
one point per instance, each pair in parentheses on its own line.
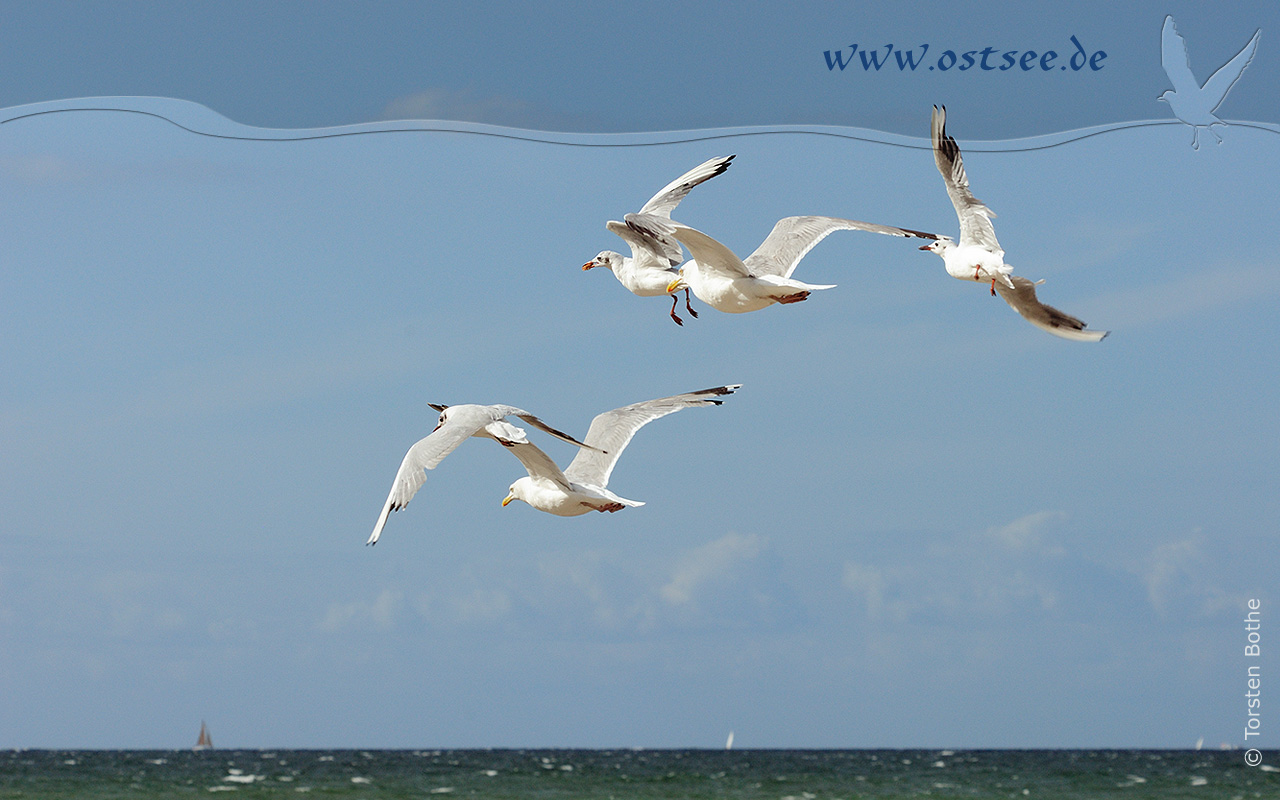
(975,217)
(793,237)
(537,463)
(1173,56)
(1022,297)
(539,424)
(427,453)
(710,254)
(612,431)
(669,196)
(664,202)
(1216,88)
(646,250)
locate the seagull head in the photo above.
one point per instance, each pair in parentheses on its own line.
(605,258)
(678,282)
(1165,95)
(517,491)
(940,245)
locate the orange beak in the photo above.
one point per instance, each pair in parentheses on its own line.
(588,265)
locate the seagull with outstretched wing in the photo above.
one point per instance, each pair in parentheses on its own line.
(978,256)
(581,487)
(648,270)
(733,285)
(456,424)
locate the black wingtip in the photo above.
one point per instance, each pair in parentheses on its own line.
(720,390)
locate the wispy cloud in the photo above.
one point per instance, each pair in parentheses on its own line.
(1178,578)
(482,604)
(1024,533)
(1002,570)
(380,612)
(42,168)
(1188,295)
(710,563)
(464,105)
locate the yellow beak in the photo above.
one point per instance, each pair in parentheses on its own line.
(675,284)
(508,499)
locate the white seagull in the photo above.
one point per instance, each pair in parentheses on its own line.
(1192,103)
(456,424)
(733,285)
(978,256)
(648,271)
(581,486)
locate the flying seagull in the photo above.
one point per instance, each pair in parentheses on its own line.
(648,271)
(1192,103)
(456,424)
(581,486)
(733,285)
(978,256)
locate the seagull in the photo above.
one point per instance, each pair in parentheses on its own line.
(581,486)
(648,271)
(1192,103)
(456,424)
(723,281)
(978,256)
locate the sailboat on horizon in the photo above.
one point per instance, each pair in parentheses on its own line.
(205,742)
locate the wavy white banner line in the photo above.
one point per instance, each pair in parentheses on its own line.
(203,121)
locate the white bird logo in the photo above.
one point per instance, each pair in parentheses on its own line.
(1192,103)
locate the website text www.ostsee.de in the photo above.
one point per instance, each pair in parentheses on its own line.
(988,59)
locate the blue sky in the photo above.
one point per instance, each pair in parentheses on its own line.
(921,522)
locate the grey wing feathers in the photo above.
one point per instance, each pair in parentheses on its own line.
(424,455)
(645,248)
(709,253)
(537,463)
(542,426)
(975,217)
(668,197)
(612,431)
(793,237)
(1022,297)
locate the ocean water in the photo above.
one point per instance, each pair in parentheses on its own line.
(550,774)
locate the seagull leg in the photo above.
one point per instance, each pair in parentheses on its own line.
(675,300)
(794,298)
(686,304)
(993,287)
(977,271)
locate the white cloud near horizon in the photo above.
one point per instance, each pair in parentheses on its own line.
(380,612)
(995,572)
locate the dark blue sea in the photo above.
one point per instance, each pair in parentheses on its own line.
(553,774)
